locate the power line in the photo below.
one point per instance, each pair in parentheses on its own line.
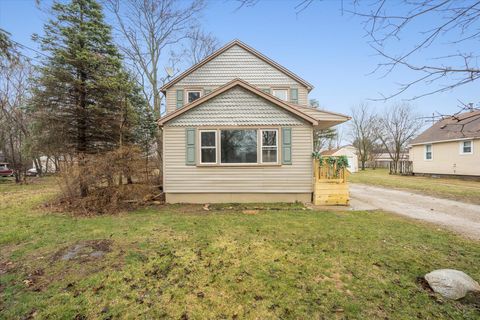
(29,48)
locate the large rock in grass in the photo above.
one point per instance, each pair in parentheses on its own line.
(451,284)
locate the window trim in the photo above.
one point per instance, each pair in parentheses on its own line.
(276,145)
(200,147)
(218,155)
(187,91)
(287,90)
(425,152)
(461,144)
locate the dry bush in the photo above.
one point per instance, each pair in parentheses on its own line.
(116,181)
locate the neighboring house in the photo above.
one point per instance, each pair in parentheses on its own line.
(238,129)
(349,151)
(47,164)
(382,160)
(449,147)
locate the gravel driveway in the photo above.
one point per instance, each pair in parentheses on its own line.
(458,216)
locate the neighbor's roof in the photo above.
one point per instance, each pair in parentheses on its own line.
(314,116)
(462,126)
(329,152)
(247,48)
(333,151)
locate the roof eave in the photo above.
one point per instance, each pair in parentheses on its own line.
(246,85)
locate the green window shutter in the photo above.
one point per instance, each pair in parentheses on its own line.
(287,145)
(206,91)
(294,95)
(180,96)
(267,90)
(190,147)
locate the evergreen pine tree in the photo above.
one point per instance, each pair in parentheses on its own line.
(81,88)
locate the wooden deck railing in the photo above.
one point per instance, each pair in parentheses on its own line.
(330,187)
(325,171)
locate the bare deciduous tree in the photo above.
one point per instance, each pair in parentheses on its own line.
(150,30)
(396,127)
(323,138)
(452,22)
(14,118)
(200,45)
(363,131)
(416,26)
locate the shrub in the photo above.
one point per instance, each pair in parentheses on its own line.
(115,181)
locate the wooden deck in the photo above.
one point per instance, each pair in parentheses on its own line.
(330,185)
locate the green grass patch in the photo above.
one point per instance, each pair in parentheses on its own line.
(182,261)
(450,188)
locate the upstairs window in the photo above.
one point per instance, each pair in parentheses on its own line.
(428,152)
(193,95)
(281,94)
(238,146)
(466,147)
(269,146)
(208,146)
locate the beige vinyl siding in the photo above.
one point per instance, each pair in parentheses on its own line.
(234,63)
(295,178)
(303,96)
(446,159)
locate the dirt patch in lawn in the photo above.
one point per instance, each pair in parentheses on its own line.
(84,251)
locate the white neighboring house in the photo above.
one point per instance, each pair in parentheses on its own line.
(349,151)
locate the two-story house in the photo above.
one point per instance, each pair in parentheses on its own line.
(238,129)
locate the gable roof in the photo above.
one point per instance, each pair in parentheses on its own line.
(237,82)
(245,47)
(329,152)
(462,126)
(335,150)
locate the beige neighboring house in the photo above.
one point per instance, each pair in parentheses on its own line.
(449,147)
(349,151)
(238,129)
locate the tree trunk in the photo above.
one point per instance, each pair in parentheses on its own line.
(82,134)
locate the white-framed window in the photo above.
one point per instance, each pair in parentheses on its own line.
(466,147)
(269,145)
(193,95)
(428,152)
(238,146)
(281,94)
(208,146)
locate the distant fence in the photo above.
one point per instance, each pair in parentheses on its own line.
(403,167)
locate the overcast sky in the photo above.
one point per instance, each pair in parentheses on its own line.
(320,44)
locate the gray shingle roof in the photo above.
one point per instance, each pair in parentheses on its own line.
(461,126)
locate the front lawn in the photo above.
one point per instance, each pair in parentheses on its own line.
(182,262)
(450,188)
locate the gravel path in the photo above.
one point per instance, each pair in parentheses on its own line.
(458,216)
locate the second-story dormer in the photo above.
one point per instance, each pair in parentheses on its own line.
(235,60)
